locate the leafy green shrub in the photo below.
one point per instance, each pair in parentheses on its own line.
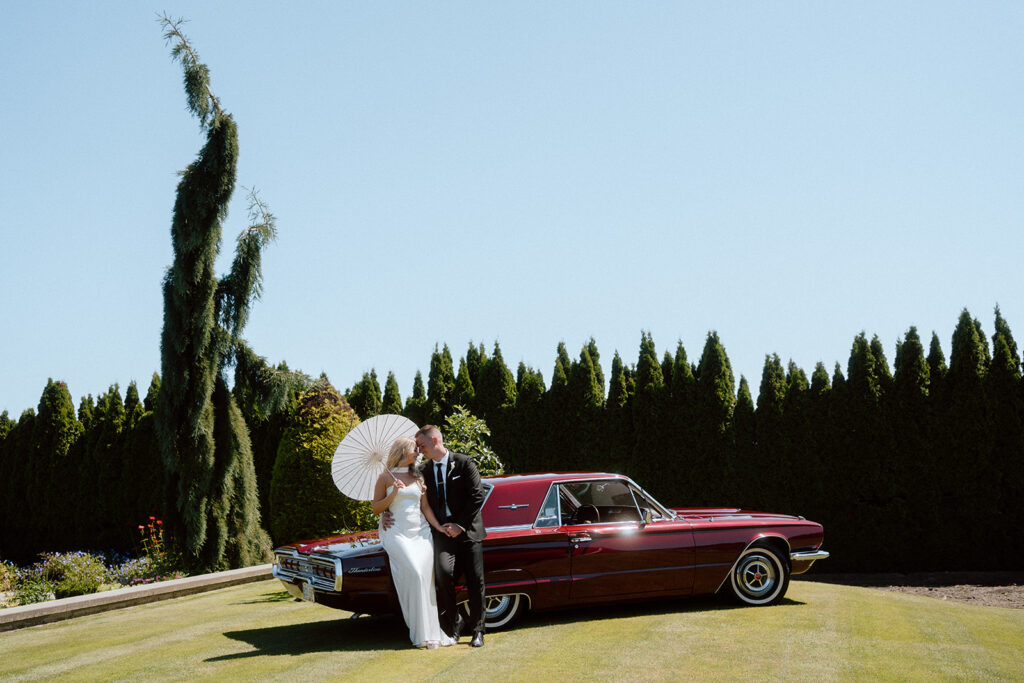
(33,589)
(304,502)
(74,573)
(467,434)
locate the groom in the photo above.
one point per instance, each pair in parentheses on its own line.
(456,496)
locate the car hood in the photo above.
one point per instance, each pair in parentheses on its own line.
(347,545)
(731,515)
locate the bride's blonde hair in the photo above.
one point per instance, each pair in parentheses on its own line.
(399,449)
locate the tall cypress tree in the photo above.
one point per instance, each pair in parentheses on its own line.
(867,452)
(496,399)
(742,488)
(915,468)
(556,409)
(684,418)
(716,400)
(106,490)
(650,452)
(440,386)
(463,394)
(820,430)
(619,418)
(937,370)
(476,358)
(496,389)
(667,363)
(1006,396)
(6,425)
(416,404)
(968,444)
(15,513)
(583,420)
(203,437)
(595,359)
(392,403)
(529,426)
(364,396)
(771,437)
(149,403)
(55,432)
(796,426)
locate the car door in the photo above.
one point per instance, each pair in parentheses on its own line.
(619,555)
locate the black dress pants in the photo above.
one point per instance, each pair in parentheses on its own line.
(455,557)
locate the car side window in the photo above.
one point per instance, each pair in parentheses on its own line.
(607,501)
(549,510)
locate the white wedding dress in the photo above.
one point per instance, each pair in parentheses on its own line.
(410,550)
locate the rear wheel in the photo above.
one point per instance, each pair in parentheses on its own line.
(500,610)
(759,577)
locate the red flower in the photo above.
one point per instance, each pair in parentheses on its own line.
(159,522)
(152,517)
(141,527)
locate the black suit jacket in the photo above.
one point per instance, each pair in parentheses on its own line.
(464,492)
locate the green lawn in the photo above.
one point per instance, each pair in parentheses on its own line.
(256,631)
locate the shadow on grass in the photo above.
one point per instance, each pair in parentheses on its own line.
(388,632)
(635,609)
(272,597)
(340,635)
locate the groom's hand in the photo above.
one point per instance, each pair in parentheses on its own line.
(387,520)
(452,529)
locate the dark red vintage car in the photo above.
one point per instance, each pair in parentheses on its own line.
(558,540)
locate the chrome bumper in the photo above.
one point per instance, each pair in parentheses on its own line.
(293,568)
(802,561)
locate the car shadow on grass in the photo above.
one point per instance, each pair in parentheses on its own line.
(271,597)
(636,609)
(339,635)
(388,632)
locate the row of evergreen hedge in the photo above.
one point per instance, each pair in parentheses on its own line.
(916,469)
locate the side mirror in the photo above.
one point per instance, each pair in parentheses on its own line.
(647,517)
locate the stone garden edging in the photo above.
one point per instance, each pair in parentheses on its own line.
(80,605)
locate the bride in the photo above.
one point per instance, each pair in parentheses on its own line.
(408,543)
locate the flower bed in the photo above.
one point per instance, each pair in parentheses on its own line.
(61,575)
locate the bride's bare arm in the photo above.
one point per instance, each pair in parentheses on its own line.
(381,498)
(429,514)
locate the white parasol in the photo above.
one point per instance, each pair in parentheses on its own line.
(363,453)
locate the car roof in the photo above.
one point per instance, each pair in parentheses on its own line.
(499,480)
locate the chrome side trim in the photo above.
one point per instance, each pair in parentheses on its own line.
(510,527)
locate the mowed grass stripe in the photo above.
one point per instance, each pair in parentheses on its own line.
(255,631)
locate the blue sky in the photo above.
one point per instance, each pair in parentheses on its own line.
(788,174)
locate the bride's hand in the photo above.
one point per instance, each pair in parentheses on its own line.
(398,484)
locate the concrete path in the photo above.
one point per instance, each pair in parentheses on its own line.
(66,608)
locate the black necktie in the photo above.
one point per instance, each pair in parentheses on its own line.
(442,501)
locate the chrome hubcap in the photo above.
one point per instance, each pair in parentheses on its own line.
(757,575)
(497,604)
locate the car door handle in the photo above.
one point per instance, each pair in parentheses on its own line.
(577,539)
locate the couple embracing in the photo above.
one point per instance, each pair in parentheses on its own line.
(432,531)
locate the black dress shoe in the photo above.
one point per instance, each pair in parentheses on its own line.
(478,639)
(460,624)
